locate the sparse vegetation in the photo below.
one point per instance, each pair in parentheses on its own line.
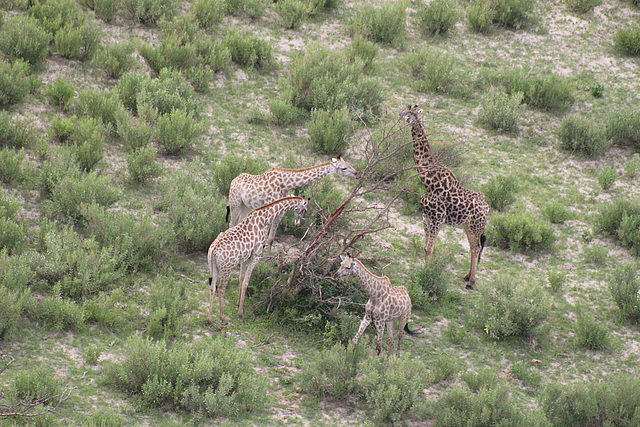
(583,136)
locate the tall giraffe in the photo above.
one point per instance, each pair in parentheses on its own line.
(243,244)
(252,191)
(445,200)
(386,303)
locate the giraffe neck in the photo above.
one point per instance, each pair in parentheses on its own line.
(422,153)
(264,215)
(294,178)
(373,285)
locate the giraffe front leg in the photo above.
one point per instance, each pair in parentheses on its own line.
(272,233)
(402,322)
(252,262)
(475,246)
(212,290)
(431,230)
(390,333)
(363,325)
(224,281)
(379,333)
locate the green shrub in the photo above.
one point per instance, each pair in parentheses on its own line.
(12,235)
(383,22)
(607,177)
(13,304)
(550,92)
(53,15)
(141,164)
(173,53)
(104,9)
(329,131)
(149,12)
(435,71)
(167,306)
(445,368)
(60,93)
(583,6)
(213,53)
(22,38)
(596,254)
(249,50)
(195,211)
(177,131)
(32,384)
(14,133)
(105,309)
(632,167)
(115,59)
(429,282)
(480,15)
(105,417)
(520,232)
(11,162)
(500,191)
(437,17)
(79,39)
(58,314)
(556,213)
(128,88)
(209,12)
(99,104)
(524,372)
(556,280)
(512,13)
(325,79)
(15,82)
(211,377)
(624,126)
(135,132)
(61,128)
(483,379)
(363,49)
(70,193)
(169,92)
(134,236)
(581,135)
(500,111)
(253,9)
(627,41)
(597,90)
(88,142)
(292,13)
(59,163)
(232,166)
(591,334)
(622,219)
(510,310)
(624,286)
(285,114)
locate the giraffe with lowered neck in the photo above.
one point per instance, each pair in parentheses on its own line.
(252,191)
(445,200)
(243,244)
(386,303)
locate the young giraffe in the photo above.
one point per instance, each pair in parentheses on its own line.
(243,244)
(252,191)
(386,303)
(446,201)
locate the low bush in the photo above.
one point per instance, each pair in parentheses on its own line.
(167,306)
(116,59)
(195,210)
(80,38)
(632,167)
(231,166)
(607,177)
(512,13)
(249,50)
(60,93)
(581,135)
(292,13)
(621,219)
(529,375)
(14,133)
(149,12)
(329,131)
(627,41)
(105,310)
(556,280)
(11,162)
(34,384)
(500,111)
(53,15)
(135,132)
(177,131)
(596,254)
(480,16)
(365,50)
(70,193)
(510,310)
(435,71)
(88,141)
(15,82)
(500,192)
(583,6)
(253,9)
(58,314)
(556,213)
(429,282)
(624,286)
(483,379)
(142,165)
(383,22)
(445,368)
(12,235)
(104,9)
(128,87)
(285,114)
(22,38)
(13,304)
(172,53)
(549,92)
(596,403)
(210,378)
(209,12)
(437,17)
(591,334)
(170,91)
(624,126)
(520,232)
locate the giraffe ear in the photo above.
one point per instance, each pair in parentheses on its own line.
(334,160)
(342,258)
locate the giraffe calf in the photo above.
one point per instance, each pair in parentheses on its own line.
(386,303)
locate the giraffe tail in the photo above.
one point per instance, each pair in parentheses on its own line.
(228,211)
(483,240)
(409,331)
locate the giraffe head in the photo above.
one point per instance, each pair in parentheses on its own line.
(410,113)
(299,211)
(348,263)
(342,167)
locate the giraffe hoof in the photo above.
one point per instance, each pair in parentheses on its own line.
(469,286)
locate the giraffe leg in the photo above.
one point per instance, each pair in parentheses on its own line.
(379,323)
(475,245)
(250,265)
(402,322)
(363,325)
(431,230)
(390,324)
(224,280)
(212,290)
(272,232)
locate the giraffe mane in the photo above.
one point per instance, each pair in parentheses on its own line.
(276,201)
(366,269)
(299,170)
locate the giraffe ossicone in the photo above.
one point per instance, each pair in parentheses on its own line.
(445,200)
(243,244)
(386,304)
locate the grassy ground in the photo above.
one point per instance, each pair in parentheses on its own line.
(578,47)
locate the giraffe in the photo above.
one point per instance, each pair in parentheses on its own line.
(386,303)
(243,244)
(445,200)
(252,191)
